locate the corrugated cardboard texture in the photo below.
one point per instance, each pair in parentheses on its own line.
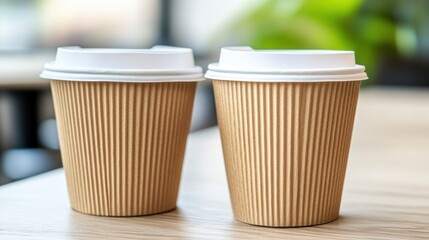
(286,147)
(122,144)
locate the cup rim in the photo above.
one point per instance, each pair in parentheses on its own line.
(156,64)
(246,64)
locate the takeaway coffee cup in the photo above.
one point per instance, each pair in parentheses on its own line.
(286,120)
(123,118)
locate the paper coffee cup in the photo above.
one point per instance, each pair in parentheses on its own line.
(286,121)
(123,118)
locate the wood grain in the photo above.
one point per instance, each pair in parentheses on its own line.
(386,192)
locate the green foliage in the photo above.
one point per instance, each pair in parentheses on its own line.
(329,10)
(316,24)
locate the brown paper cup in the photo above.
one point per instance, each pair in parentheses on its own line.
(286,147)
(122,144)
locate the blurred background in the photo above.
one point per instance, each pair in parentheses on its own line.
(390,37)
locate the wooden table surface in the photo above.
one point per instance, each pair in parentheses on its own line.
(386,193)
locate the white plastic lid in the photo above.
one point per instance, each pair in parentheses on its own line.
(247,64)
(158,64)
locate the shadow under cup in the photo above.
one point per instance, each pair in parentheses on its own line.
(123,143)
(286,146)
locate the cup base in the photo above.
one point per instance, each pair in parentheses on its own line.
(288,226)
(124,215)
